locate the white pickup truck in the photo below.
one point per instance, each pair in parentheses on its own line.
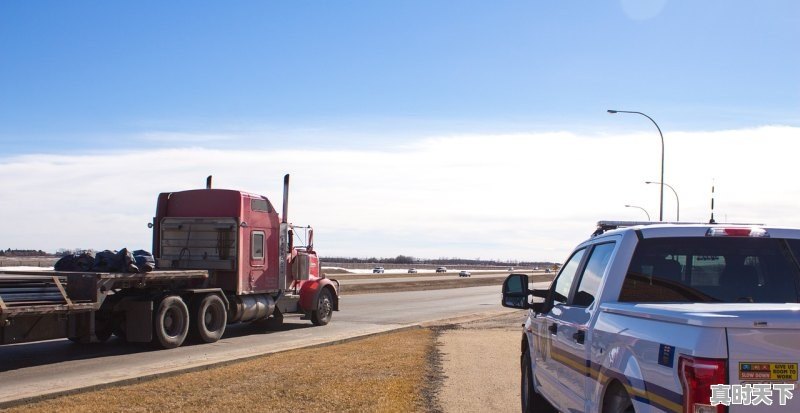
(647,318)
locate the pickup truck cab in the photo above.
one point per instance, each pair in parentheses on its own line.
(646,318)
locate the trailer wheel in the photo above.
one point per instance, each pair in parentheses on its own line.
(322,315)
(170,322)
(209,318)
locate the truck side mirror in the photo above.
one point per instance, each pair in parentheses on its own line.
(515,292)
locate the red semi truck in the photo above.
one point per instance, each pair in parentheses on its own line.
(223,256)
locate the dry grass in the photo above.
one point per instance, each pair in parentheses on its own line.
(384,373)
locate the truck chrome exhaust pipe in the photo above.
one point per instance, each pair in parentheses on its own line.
(283,247)
(284,216)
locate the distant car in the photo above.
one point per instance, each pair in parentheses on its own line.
(511,268)
(441,269)
(412,270)
(377,270)
(547,270)
(536,268)
(465,274)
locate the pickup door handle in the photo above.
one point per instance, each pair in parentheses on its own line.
(580,336)
(553,328)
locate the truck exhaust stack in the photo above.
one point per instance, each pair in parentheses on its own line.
(284,218)
(208,182)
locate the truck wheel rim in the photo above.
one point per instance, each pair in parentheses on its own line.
(324,307)
(212,319)
(172,324)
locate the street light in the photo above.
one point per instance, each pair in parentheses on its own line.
(661,207)
(677,200)
(645,211)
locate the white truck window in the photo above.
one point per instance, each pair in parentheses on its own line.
(566,277)
(593,274)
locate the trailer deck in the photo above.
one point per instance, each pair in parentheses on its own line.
(29,293)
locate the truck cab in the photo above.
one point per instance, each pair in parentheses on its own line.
(264,265)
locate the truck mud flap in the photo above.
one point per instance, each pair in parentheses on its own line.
(138,320)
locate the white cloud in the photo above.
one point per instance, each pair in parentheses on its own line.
(521,196)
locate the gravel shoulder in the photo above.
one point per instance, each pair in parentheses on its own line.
(480,365)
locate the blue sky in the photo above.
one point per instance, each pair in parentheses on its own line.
(366,80)
(74,73)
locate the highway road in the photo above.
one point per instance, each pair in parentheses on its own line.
(400,278)
(35,369)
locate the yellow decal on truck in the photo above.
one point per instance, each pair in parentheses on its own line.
(768,371)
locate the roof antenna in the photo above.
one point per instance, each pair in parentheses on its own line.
(208,182)
(712,204)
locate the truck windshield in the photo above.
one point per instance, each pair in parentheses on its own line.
(706,269)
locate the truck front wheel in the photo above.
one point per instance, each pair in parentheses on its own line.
(210,318)
(532,402)
(322,315)
(170,322)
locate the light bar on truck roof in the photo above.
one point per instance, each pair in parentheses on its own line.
(737,232)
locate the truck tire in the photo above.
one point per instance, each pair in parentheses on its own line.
(170,322)
(322,315)
(531,401)
(209,318)
(617,400)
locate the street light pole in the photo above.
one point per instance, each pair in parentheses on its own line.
(661,205)
(645,211)
(677,200)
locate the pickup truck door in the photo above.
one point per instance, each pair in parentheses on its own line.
(573,324)
(549,327)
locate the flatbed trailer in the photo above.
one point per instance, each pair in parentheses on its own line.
(42,305)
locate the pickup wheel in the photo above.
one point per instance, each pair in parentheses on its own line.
(532,402)
(617,400)
(170,322)
(322,315)
(209,318)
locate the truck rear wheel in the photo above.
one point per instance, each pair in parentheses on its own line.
(209,318)
(617,400)
(322,315)
(170,322)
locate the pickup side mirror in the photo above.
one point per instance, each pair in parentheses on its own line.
(516,292)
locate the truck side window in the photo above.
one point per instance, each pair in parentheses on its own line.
(258,245)
(566,277)
(593,274)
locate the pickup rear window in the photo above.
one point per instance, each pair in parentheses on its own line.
(711,269)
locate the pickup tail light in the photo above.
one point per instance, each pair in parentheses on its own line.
(696,376)
(737,232)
